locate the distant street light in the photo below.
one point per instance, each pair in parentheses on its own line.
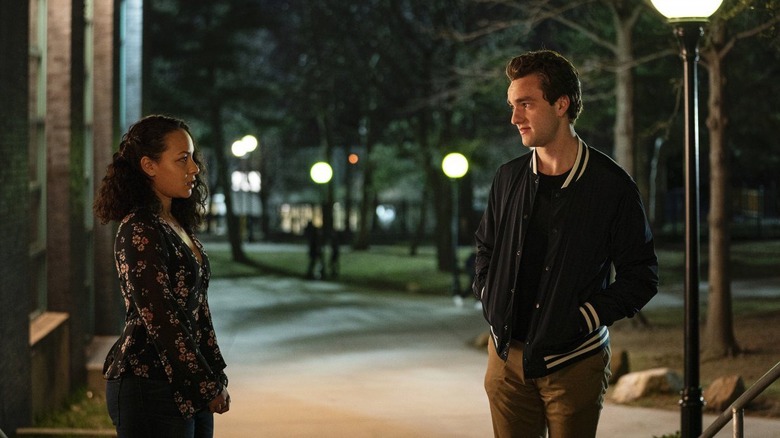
(455,165)
(688,18)
(247,144)
(248,181)
(321,172)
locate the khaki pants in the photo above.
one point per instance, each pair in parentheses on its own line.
(567,402)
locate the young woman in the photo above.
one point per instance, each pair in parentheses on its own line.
(165,372)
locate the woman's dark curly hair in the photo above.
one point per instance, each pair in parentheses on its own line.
(557,74)
(126,187)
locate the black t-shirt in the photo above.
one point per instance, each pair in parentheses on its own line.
(534,251)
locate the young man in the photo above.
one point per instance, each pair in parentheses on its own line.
(557,220)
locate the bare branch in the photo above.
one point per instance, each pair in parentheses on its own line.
(491,28)
(756,30)
(587,32)
(635,62)
(749,33)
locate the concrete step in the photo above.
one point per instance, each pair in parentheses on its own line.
(96,355)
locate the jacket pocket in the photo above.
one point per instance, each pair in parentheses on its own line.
(482,293)
(564,330)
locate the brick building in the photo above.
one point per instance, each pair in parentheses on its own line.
(66,67)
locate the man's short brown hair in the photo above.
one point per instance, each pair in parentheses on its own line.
(557,75)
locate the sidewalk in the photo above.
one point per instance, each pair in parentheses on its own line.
(318,359)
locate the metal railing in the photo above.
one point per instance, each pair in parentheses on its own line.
(736,411)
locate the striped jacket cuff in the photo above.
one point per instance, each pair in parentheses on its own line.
(591,318)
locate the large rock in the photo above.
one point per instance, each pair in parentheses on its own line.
(481,341)
(634,386)
(723,391)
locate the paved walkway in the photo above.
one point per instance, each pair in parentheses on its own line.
(318,359)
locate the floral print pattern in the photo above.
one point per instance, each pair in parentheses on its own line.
(168,331)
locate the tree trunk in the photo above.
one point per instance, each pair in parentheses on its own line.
(419,232)
(624,101)
(348,195)
(439,191)
(223,175)
(719,331)
(442,207)
(326,140)
(266,186)
(365,211)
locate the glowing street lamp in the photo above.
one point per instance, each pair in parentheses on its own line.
(321,172)
(688,19)
(455,165)
(692,11)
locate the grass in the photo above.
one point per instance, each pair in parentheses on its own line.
(756,321)
(83,410)
(661,345)
(382,267)
(749,260)
(392,268)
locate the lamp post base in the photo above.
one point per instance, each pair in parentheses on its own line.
(691,405)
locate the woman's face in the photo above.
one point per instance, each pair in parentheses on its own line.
(173,175)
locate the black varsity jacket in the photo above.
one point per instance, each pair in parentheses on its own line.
(598,221)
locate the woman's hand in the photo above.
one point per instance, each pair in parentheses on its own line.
(221,403)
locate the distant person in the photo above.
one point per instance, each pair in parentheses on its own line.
(458,296)
(334,254)
(557,219)
(312,235)
(165,372)
(468,266)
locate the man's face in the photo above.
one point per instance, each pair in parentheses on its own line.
(537,121)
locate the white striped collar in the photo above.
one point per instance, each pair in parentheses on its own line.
(580,163)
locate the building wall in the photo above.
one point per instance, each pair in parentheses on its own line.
(44,358)
(14,210)
(109,307)
(64,258)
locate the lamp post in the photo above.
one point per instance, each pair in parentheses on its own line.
(455,165)
(241,149)
(688,19)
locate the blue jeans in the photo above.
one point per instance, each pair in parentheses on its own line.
(144,408)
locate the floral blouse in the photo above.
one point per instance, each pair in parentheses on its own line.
(168,330)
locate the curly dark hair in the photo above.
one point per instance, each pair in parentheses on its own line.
(557,74)
(126,187)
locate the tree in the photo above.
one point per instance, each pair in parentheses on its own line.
(422,77)
(719,43)
(207,75)
(599,36)
(381,72)
(434,115)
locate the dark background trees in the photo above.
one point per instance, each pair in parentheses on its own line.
(205,63)
(737,21)
(405,82)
